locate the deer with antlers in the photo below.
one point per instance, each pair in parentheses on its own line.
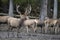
(30,22)
(16,22)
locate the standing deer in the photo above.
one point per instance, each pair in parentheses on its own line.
(50,22)
(15,22)
(29,22)
(3,19)
(57,27)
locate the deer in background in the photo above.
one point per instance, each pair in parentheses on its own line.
(3,19)
(50,22)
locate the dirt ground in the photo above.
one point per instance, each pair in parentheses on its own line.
(23,35)
(4,27)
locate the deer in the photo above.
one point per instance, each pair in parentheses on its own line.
(29,22)
(50,22)
(16,22)
(58,25)
(3,19)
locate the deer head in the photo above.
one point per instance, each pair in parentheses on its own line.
(27,11)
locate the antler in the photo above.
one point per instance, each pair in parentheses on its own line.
(17,6)
(28,10)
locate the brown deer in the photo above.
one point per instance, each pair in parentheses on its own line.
(17,22)
(50,22)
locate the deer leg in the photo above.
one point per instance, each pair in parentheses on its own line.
(35,27)
(27,28)
(56,29)
(10,28)
(46,27)
(17,29)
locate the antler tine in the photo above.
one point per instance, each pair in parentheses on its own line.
(17,6)
(28,10)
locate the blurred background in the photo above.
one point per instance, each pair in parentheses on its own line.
(35,4)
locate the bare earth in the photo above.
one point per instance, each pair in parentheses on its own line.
(23,35)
